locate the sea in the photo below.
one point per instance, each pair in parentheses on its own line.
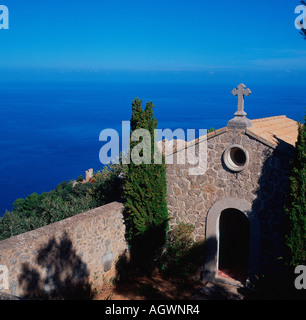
(50,131)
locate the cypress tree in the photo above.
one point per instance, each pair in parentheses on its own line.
(296,203)
(146,213)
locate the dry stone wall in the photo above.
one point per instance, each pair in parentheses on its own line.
(76,252)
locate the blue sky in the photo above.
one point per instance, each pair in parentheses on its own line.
(211,40)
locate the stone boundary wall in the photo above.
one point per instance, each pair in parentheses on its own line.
(76,253)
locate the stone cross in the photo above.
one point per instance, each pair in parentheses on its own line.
(241,92)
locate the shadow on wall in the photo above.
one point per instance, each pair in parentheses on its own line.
(274,281)
(269,205)
(61,274)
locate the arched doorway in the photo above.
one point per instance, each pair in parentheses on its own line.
(234,242)
(212,236)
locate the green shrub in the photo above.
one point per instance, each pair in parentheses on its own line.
(109,183)
(182,256)
(296,204)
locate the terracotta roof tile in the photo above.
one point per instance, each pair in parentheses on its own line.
(276,129)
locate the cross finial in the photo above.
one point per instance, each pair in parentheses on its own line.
(240,121)
(241,92)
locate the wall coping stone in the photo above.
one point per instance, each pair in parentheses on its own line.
(59,226)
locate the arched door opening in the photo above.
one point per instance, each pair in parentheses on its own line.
(234,242)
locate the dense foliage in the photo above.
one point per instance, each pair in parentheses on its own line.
(67,199)
(182,256)
(146,212)
(296,203)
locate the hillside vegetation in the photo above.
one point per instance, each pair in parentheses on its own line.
(67,199)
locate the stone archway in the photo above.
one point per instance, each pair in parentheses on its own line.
(212,236)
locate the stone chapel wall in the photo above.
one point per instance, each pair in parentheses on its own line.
(262,183)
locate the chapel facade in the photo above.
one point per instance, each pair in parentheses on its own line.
(237,202)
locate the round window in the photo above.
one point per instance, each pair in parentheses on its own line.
(236,158)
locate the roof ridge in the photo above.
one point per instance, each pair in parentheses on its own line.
(269,118)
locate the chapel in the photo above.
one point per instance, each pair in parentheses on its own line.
(236,203)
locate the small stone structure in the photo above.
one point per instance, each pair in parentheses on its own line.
(88,174)
(72,253)
(247,172)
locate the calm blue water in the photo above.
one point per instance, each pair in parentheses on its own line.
(50,132)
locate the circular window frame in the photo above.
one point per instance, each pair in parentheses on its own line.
(230,163)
